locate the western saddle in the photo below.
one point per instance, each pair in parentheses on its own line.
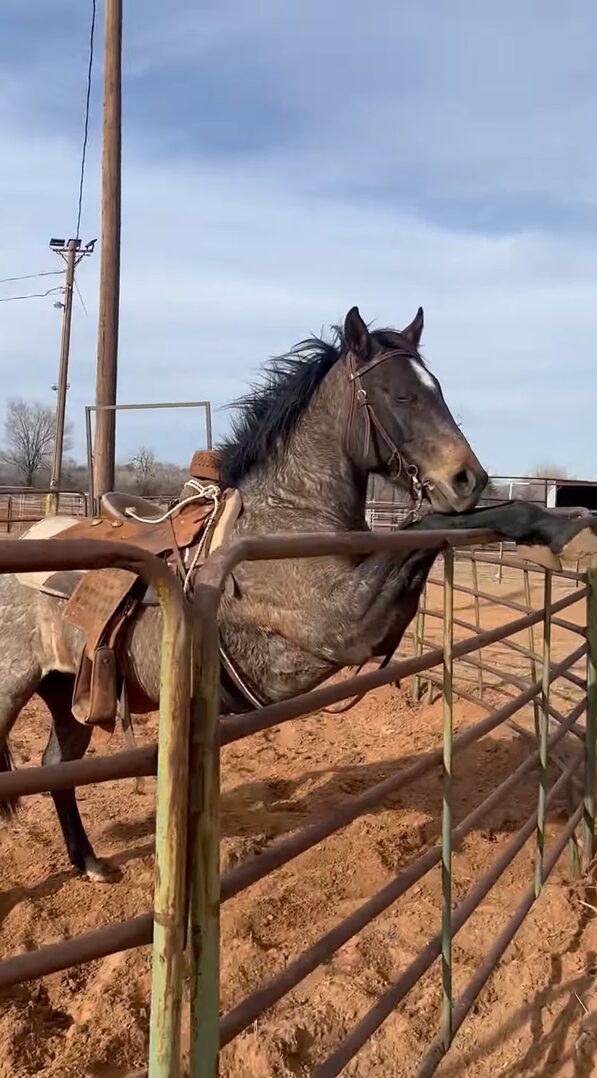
(102,602)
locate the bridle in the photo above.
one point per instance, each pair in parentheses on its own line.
(396,465)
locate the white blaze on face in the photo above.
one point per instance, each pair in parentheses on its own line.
(423,375)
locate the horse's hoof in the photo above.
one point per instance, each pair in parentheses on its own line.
(584,545)
(541,555)
(99,871)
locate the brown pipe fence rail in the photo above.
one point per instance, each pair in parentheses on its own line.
(192,733)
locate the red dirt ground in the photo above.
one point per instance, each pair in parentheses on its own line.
(537,1015)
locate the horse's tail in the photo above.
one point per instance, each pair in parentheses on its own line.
(8,807)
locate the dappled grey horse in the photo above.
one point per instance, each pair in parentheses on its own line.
(303,446)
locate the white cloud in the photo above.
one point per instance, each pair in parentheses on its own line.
(226,262)
(451,100)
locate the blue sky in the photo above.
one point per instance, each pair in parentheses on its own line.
(282,162)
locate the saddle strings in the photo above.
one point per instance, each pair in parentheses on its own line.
(205,492)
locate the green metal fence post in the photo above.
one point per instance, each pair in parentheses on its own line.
(532,662)
(477,604)
(500,572)
(543,731)
(204,837)
(419,638)
(591,724)
(447,798)
(170,843)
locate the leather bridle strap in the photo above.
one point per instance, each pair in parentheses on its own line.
(381,358)
(371,419)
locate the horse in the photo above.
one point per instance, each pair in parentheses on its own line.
(330,413)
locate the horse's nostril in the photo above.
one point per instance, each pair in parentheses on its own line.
(464,482)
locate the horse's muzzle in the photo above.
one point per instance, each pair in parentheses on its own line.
(458,493)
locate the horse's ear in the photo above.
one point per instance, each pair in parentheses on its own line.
(414,332)
(356,334)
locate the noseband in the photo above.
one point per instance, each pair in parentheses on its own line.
(396,464)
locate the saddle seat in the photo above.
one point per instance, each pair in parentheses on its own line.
(117,506)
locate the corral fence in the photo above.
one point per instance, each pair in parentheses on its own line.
(189,890)
(387,504)
(20,506)
(576,782)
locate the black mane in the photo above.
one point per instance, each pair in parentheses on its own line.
(269,412)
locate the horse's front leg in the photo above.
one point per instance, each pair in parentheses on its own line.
(522,523)
(347,623)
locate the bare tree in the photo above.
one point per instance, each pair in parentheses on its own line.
(146,475)
(551,471)
(29,430)
(144,467)
(493,492)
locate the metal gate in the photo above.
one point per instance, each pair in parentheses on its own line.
(188,887)
(208,890)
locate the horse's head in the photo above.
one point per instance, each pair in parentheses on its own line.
(400,425)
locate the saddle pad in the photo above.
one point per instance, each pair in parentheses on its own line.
(47,528)
(233,504)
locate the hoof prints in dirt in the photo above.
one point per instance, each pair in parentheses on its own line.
(34,1025)
(90,1020)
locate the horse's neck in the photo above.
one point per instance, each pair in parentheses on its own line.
(312,483)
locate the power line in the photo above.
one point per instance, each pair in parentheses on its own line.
(80,296)
(31,295)
(86,127)
(30,276)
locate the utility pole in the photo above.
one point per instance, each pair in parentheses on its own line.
(72,254)
(109,294)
